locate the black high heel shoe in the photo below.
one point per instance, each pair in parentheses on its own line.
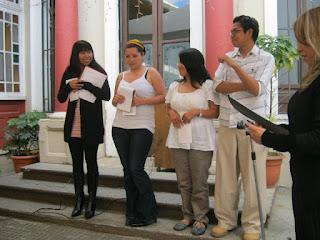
(78,206)
(91,207)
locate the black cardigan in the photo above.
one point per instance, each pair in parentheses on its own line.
(303,142)
(92,130)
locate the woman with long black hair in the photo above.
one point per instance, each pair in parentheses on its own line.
(83,128)
(191,139)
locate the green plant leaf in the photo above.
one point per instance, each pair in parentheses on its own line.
(285,55)
(21,133)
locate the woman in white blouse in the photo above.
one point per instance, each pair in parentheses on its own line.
(191,139)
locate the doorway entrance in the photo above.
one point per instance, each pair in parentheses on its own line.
(164,28)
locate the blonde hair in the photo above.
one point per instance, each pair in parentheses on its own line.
(307,31)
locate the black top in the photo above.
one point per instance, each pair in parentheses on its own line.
(303,142)
(92,129)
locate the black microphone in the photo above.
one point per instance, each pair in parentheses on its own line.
(241,125)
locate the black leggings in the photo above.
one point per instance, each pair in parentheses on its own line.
(133,146)
(77,148)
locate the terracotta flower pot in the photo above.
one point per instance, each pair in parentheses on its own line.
(273,167)
(21,161)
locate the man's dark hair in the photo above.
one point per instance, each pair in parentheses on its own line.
(246,23)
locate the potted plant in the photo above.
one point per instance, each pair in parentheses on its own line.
(21,136)
(285,55)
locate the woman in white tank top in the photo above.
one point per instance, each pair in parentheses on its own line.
(132,132)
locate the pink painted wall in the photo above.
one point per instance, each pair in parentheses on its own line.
(66,33)
(219,16)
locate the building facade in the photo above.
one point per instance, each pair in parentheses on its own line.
(37,36)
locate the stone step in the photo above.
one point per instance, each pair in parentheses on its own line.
(16,187)
(109,177)
(109,199)
(105,221)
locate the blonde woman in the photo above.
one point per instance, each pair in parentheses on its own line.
(303,142)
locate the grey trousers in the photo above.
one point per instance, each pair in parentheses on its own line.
(192,174)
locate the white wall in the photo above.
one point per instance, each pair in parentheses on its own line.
(252,8)
(265,11)
(112,47)
(91,26)
(197,25)
(35,93)
(271,17)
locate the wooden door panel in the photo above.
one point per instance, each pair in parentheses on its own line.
(162,154)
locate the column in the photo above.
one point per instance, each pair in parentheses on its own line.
(91,26)
(112,42)
(218,20)
(66,33)
(91,22)
(35,53)
(52,147)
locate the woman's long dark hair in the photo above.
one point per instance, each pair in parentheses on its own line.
(75,65)
(193,61)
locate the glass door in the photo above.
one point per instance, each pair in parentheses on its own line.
(289,82)
(163,26)
(175,36)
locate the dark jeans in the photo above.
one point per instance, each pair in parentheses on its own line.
(133,146)
(78,151)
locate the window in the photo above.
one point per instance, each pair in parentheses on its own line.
(9,53)
(11,84)
(288,11)
(308,4)
(164,28)
(14,1)
(48,76)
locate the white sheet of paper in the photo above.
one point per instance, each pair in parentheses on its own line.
(93,76)
(133,111)
(86,95)
(185,134)
(71,79)
(73,95)
(128,94)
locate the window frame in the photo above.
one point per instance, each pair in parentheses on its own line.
(16,9)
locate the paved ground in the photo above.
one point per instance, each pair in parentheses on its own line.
(16,229)
(281,222)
